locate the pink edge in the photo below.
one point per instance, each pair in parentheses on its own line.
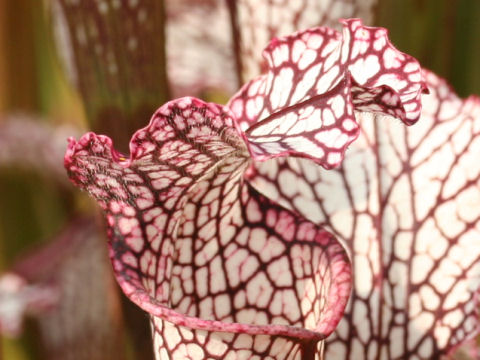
(338,296)
(399,75)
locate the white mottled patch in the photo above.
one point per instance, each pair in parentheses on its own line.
(447,219)
(282,87)
(442,335)
(306,83)
(364,226)
(251,316)
(343,221)
(328,118)
(280,55)
(396,345)
(398,276)
(286,181)
(336,350)
(265,129)
(201,283)
(280,272)
(328,80)
(129,259)
(297,50)
(222,306)
(467,204)
(380,42)
(147,263)
(363,283)
(307,58)
(285,123)
(360,319)
(240,266)
(402,245)
(207,253)
(364,69)
(410,67)
(337,103)
(417,328)
(161,183)
(206,308)
(425,350)
(144,203)
(390,60)
(251,109)
(281,304)
(126,225)
(358,349)
(253,212)
(172,336)
(426,193)
(217,277)
(328,137)
(259,291)
(215,347)
(301,123)
(458,294)
(315,41)
(240,300)
(304,145)
(421,265)
(441,279)
(430,240)
(207,231)
(349,124)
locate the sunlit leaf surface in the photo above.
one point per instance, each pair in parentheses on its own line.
(316,79)
(405,200)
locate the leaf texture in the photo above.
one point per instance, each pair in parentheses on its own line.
(317,78)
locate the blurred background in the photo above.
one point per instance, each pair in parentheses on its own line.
(41,104)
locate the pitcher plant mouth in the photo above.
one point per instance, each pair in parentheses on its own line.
(197,247)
